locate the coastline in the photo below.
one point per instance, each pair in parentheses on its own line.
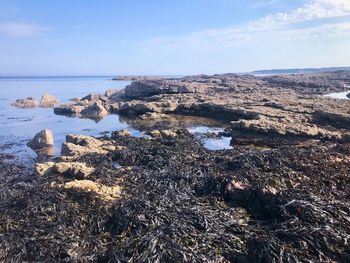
(279,191)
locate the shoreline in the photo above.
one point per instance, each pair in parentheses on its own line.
(279,191)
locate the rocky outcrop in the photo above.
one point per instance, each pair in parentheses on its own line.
(29,102)
(48,101)
(41,140)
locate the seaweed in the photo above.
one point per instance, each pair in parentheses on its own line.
(183,203)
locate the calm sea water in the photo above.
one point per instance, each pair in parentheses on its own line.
(20,125)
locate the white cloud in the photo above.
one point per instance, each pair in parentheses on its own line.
(15,29)
(286,26)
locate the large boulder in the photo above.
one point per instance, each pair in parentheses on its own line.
(96,110)
(48,101)
(29,102)
(41,140)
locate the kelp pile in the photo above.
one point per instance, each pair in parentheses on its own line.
(183,203)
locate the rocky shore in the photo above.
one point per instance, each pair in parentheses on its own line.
(280,194)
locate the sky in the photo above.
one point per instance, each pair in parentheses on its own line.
(157,37)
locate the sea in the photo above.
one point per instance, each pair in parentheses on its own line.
(18,126)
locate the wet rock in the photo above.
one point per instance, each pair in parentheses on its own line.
(41,140)
(48,100)
(348,95)
(107,193)
(95,111)
(71,169)
(29,102)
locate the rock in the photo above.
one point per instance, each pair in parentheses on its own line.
(48,100)
(26,103)
(80,145)
(111,92)
(237,125)
(114,108)
(348,95)
(72,169)
(107,193)
(154,116)
(42,168)
(146,88)
(155,133)
(94,111)
(69,109)
(92,97)
(104,99)
(123,133)
(168,134)
(41,140)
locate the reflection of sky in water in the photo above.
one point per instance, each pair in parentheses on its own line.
(339,95)
(220,143)
(204,129)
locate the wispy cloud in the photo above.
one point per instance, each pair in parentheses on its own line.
(15,29)
(263,3)
(286,26)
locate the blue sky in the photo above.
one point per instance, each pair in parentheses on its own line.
(109,37)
